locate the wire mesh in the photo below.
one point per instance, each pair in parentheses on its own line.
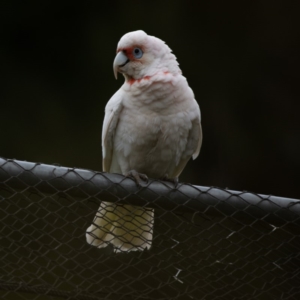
(208,243)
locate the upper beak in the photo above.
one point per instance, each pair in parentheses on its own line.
(120,60)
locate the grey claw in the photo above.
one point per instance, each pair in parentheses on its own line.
(176,181)
(172,180)
(137,177)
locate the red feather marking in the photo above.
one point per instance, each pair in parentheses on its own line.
(132,80)
(129,51)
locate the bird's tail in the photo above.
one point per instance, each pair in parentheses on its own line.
(126,227)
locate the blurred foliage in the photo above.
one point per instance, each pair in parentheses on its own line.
(240,58)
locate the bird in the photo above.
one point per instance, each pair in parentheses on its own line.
(151,128)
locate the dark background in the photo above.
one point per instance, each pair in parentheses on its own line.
(241,59)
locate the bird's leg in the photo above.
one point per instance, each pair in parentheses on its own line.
(137,177)
(174,180)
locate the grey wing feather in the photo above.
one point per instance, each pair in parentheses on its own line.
(193,146)
(113,110)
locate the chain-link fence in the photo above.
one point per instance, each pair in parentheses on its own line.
(208,243)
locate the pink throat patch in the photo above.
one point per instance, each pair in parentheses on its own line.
(131,81)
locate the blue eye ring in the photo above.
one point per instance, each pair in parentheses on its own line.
(137,52)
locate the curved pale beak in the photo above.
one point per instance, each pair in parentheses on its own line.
(120,60)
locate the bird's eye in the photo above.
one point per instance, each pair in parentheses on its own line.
(137,53)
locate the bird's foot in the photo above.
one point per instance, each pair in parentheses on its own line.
(172,180)
(137,177)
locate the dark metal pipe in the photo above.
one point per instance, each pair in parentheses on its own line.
(211,201)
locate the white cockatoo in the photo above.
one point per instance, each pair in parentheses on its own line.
(151,128)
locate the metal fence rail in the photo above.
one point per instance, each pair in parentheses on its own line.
(208,243)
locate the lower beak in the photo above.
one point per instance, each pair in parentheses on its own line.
(120,60)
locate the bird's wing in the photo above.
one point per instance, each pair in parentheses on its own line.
(193,145)
(196,134)
(113,110)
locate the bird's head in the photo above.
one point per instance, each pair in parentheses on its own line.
(140,55)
